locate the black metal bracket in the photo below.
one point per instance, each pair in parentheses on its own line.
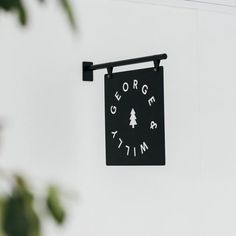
(88,67)
(87,73)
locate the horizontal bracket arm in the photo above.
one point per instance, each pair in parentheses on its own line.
(88,67)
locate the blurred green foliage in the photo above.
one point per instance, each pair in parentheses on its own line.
(18,7)
(20,209)
(54,205)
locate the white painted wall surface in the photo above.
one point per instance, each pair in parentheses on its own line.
(55,122)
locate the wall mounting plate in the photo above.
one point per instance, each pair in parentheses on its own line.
(87,74)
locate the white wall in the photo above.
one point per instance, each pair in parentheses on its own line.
(54,122)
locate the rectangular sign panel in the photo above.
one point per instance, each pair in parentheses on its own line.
(134,117)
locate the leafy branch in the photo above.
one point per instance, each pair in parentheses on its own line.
(19,209)
(18,7)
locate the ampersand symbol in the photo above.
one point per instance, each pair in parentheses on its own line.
(153,125)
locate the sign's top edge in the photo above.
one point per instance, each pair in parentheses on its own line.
(136,70)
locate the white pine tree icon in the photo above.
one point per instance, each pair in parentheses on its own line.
(132,118)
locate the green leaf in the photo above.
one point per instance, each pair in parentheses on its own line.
(34,220)
(21,11)
(6,4)
(15,221)
(20,217)
(54,205)
(22,15)
(69,11)
(2,204)
(16,6)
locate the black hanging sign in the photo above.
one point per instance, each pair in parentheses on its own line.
(134,116)
(134,112)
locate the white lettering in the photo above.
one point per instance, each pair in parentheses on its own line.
(151,100)
(125,86)
(118,97)
(153,125)
(113,110)
(120,142)
(143,147)
(135,84)
(114,133)
(134,151)
(144,89)
(128,147)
